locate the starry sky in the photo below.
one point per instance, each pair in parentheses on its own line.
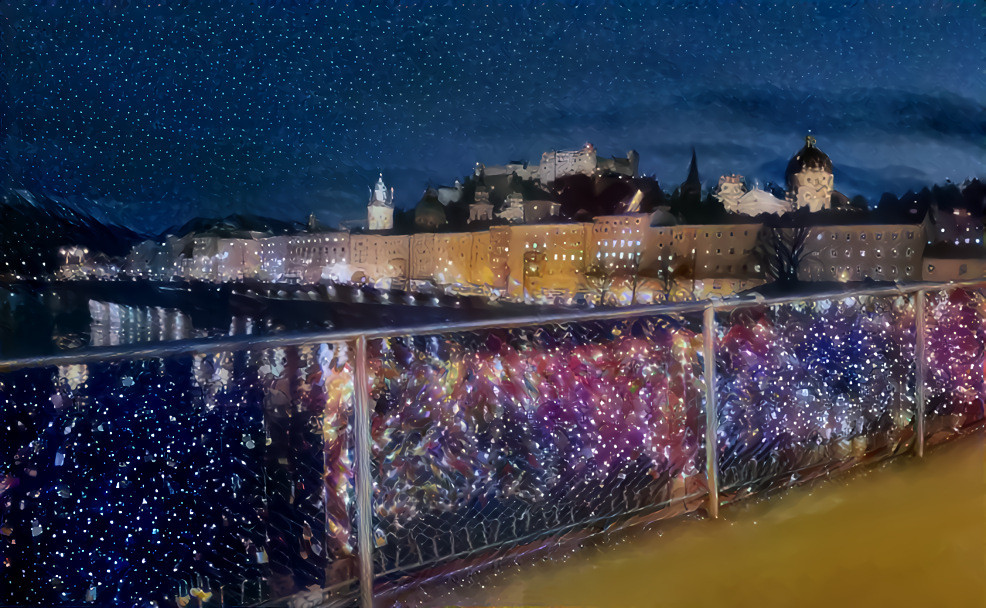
(162,111)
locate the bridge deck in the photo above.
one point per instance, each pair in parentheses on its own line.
(906,533)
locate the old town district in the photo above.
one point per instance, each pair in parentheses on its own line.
(523,249)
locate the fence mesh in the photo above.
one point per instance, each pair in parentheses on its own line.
(810,386)
(167,480)
(956,335)
(494,439)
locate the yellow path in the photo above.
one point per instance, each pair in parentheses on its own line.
(907,533)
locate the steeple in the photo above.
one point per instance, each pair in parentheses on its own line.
(693,179)
(691,188)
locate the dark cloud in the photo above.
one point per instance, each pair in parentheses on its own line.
(177,109)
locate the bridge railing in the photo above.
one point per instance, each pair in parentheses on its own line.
(302,468)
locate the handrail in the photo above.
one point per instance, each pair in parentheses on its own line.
(247,342)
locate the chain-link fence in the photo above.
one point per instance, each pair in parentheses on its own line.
(493,439)
(808,387)
(954,359)
(296,470)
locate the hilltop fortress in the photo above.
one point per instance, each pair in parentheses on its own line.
(556,164)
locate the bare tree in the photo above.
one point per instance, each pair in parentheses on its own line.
(785,251)
(599,279)
(663,275)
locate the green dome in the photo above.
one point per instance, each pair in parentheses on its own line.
(429,215)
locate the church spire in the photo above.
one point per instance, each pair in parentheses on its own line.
(691,189)
(693,179)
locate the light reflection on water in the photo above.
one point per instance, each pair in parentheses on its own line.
(906,533)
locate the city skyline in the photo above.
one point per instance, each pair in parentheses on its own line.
(170,111)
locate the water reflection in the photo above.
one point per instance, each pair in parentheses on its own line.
(113,324)
(227,473)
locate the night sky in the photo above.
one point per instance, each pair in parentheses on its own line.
(161,112)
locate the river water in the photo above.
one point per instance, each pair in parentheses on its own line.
(908,532)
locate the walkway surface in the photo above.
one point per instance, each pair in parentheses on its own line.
(908,532)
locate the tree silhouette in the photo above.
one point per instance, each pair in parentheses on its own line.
(785,252)
(599,279)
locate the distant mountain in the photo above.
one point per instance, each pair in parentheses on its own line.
(33,227)
(234,225)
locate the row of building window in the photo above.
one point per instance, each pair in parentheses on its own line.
(877,270)
(862,236)
(877,253)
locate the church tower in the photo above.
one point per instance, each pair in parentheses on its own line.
(809,178)
(690,190)
(380,210)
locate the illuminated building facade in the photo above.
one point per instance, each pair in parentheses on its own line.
(886,252)
(311,255)
(499,250)
(481,209)
(545,260)
(453,258)
(955,227)
(480,270)
(380,259)
(943,268)
(617,242)
(557,164)
(274,258)
(422,247)
(380,209)
(562,163)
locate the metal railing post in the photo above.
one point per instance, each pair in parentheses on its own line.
(364,488)
(920,372)
(711,410)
